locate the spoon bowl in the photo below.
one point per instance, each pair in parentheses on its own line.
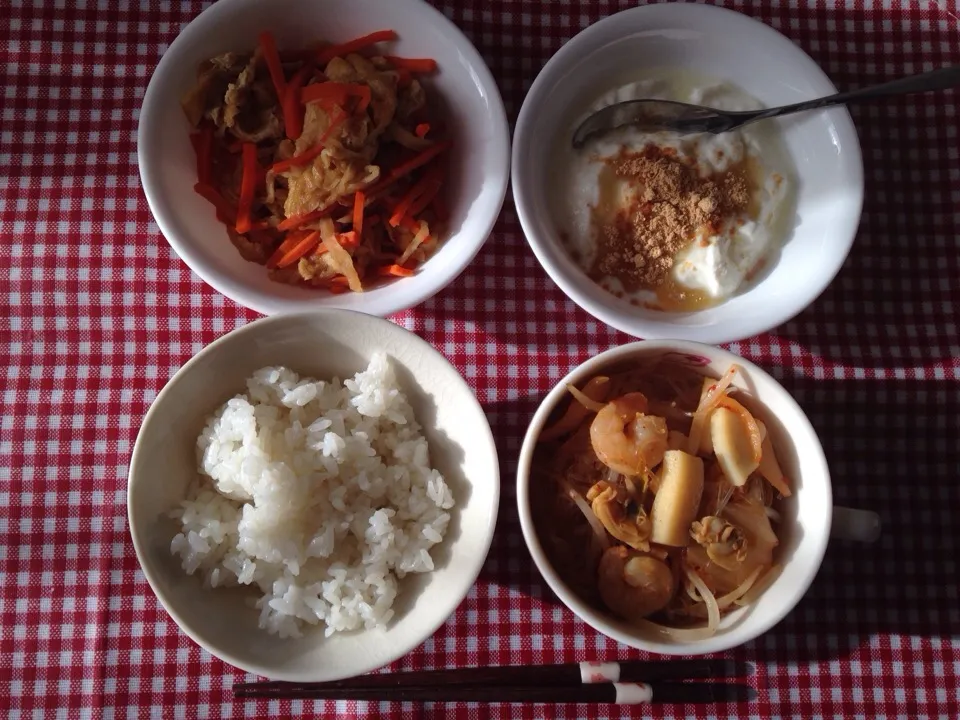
(684,118)
(654,116)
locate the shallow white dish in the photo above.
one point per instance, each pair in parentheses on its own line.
(320,344)
(475,187)
(722,45)
(807,514)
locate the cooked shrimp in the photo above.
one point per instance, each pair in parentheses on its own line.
(633,585)
(627,440)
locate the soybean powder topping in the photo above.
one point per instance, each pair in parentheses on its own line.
(669,203)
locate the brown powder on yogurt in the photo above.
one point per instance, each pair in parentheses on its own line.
(668,204)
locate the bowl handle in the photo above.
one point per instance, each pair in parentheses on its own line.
(853,524)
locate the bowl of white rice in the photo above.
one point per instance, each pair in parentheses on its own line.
(312,495)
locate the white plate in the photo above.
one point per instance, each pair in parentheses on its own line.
(728,46)
(479,167)
(319,344)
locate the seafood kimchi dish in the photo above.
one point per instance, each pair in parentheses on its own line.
(655,493)
(326,164)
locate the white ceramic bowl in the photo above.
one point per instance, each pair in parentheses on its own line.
(477,180)
(320,344)
(724,45)
(807,514)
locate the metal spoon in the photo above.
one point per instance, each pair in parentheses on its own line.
(682,118)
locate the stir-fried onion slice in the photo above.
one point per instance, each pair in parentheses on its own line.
(709,400)
(421,237)
(599,531)
(596,389)
(731,598)
(680,634)
(713,609)
(588,402)
(340,257)
(760,586)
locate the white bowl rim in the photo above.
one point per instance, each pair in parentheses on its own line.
(664,329)
(430,628)
(744,632)
(264,303)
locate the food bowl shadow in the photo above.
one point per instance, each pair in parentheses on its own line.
(447,457)
(510,563)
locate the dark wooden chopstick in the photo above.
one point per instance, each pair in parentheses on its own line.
(619,693)
(542,675)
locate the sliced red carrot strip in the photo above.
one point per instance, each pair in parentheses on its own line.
(400,209)
(358,201)
(270,55)
(429,183)
(338,285)
(292,106)
(325,92)
(347,240)
(297,160)
(404,78)
(410,224)
(418,160)
(309,155)
(337,93)
(296,221)
(227,212)
(248,187)
(432,181)
(325,55)
(417,65)
(400,213)
(406,167)
(286,246)
(426,197)
(299,249)
(394,270)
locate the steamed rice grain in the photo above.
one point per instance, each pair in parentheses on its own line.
(318,493)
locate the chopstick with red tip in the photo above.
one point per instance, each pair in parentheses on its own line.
(616,693)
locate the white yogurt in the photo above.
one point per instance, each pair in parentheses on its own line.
(713,265)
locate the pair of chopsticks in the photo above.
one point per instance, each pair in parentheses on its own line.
(625,683)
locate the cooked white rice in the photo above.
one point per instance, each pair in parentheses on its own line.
(318,493)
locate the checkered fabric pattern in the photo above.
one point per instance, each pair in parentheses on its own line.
(96,314)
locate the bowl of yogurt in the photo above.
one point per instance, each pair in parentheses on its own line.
(706,237)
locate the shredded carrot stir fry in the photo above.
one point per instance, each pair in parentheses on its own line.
(324,162)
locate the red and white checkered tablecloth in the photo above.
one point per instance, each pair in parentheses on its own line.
(96,313)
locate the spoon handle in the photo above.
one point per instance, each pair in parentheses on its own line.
(941,79)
